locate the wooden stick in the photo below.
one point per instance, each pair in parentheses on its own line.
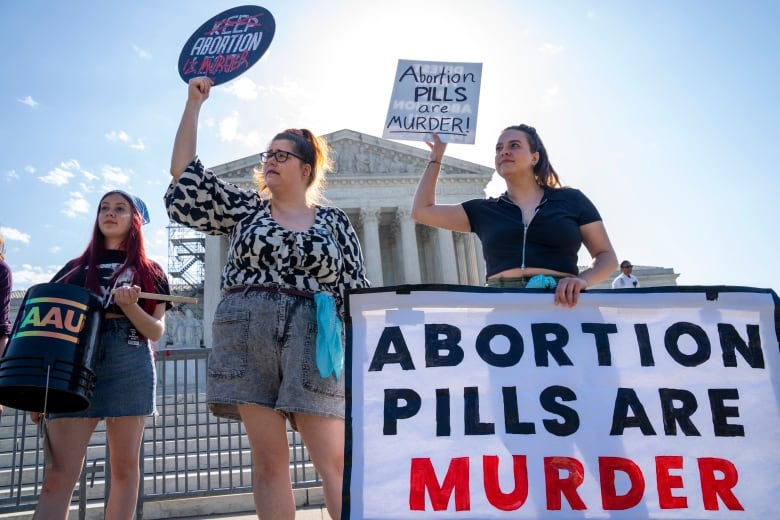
(167,297)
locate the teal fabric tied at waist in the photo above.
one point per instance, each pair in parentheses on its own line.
(541,281)
(330,352)
(538,281)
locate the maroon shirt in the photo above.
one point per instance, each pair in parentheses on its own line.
(5,299)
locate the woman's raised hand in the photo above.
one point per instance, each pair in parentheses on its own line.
(184,144)
(199,88)
(438,147)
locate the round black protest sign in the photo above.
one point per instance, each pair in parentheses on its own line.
(226,45)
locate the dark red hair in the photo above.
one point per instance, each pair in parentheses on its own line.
(145,270)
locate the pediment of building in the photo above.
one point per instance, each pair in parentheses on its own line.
(361,158)
(363,155)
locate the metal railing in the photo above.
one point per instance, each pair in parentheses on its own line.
(187,452)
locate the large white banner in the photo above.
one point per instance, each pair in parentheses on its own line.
(476,403)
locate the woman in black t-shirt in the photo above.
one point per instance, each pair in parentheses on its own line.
(114,266)
(531,234)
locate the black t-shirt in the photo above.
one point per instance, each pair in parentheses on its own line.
(107,266)
(551,240)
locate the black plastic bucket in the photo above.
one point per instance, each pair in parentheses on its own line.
(47,365)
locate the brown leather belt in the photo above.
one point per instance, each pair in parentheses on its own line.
(271,289)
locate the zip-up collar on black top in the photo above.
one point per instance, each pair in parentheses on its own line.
(505,198)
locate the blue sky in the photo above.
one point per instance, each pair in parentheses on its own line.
(664,113)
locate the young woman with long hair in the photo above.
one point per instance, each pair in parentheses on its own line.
(532,232)
(115,268)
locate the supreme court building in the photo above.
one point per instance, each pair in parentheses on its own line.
(374,181)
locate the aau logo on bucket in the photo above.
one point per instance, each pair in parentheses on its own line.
(55,318)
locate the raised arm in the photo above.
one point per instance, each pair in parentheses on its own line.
(424,207)
(185,143)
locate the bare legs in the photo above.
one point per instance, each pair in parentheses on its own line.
(124,444)
(271,485)
(324,438)
(68,438)
(272,488)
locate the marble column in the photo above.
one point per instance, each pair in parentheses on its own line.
(214,261)
(472,262)
(480,259)
(410,255)
(461,260)
(449,268)
(372,251)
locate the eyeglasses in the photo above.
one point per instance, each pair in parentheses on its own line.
(628,266)
(278,155)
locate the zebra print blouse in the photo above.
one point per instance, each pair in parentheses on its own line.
(324,258)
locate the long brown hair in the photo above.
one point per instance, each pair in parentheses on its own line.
(133,244)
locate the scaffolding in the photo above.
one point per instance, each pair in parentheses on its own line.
(186,263)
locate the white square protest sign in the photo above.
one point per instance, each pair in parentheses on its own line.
(434,96)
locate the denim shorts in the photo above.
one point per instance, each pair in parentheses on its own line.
(126,380)
(264,353)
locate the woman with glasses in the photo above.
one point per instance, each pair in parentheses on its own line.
(277,352)
(531,234)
